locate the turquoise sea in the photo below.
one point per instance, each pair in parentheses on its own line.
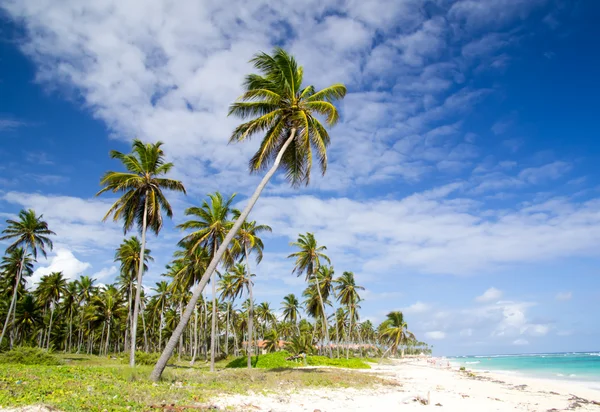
(577,367)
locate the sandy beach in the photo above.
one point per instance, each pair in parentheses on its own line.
(414,382)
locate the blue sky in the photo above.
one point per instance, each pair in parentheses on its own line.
(461,188)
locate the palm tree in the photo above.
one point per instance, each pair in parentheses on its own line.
(141,203)
(50,289)
(31,234)
(10,267)
(129,255)
(28,317)
(308,261)
(162,298)
(248,241)
(291,309)
(210,224)
(70,303)
(281,108)
(395,331)
(347,293)
(110,305)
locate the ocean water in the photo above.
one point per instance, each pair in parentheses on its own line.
(577,367)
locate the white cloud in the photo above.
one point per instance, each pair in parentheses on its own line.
(105,275)
(489,295)
(466,332)
(435,335)
(521,342)
(564,296)
(62,260)
(417,307)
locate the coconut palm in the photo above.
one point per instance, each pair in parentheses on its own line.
(31,234)
(308,262)
(291,309)
(347,294)
(110,306)
(162,298)
(49,291)
(28,316)
(247,242)
(129,254)
(210,224)
(141,202)
(395,331)
(280,107)
(10,267)
(69,307)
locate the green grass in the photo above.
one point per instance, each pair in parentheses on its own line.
(278,360)
(92,383)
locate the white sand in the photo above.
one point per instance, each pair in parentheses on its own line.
(450,390)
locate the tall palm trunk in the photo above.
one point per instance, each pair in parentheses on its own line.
(162,311)
(325,324)
(227,332)
(195,350)
(144,327)
(50,325)
(250,309)
(213,328)
(13,301)
(164,358)
(70,329)
(351,311)
(138,290)
(107,338)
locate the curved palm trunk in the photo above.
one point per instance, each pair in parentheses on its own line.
(13,301)
(164,358)
(138,290)
(250,310)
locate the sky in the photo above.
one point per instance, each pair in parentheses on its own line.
(461,188)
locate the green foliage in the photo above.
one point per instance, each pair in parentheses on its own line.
(29,356)
(144,358)
(352,363)
(278,360)
(462,368)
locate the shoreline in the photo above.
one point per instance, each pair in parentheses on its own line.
(414,382)
(593,384)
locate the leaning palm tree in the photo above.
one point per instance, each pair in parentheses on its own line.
(140,205)
(246,242)
(285,112)
(395,331)
(347,294)
(31,234)
(308,262)
(210,224)
(10,267)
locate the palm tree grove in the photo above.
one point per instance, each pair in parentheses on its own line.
(203,311)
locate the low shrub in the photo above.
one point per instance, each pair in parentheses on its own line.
(29,356)
(462,368)
(278,360)
(143,358)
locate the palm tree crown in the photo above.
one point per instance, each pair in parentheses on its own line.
(141,186)
(30,232)
(278,104)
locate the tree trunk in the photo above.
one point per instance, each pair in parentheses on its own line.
(250,309)
(164,358)
(138,290)
(142,310)
(227,332)
(351,311)
(325,323)
(213,328)
(107,338)
(162,311)
(13,301)
(195,349)
(50,327)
